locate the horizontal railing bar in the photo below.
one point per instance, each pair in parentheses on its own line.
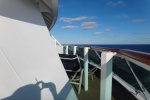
(144,58)
(105,49)
(136,57)
(82,46)
(92,63)
(140,64)
(139,56)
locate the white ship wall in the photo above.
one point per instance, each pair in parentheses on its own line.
(29,64)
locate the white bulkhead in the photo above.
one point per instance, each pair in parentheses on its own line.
(30,68)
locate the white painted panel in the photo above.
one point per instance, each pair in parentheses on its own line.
(59,49)
(8,76)
(25,41)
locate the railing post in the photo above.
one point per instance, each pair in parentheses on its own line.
(74,50)
(106,75)
(86,68)
(66,50)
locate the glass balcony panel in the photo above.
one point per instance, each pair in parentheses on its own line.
(80,52)
(93,57)
(70,50)
(121,68)
(142,74)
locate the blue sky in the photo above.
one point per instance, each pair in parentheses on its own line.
(103,22)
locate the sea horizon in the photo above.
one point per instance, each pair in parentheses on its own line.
(136,47)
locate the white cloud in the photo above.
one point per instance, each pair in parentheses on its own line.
(66,19)
(107,30)
(122,16)
(99,33)
(88,25)
(138,20)
(69,27)
(119,3)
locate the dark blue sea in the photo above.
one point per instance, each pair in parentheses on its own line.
(136,47)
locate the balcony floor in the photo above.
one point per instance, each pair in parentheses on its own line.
(118,92)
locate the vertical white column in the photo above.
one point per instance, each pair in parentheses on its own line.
(106,75)
(66,50)
(74,50)
(86,68)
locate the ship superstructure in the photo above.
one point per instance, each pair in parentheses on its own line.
(30,68)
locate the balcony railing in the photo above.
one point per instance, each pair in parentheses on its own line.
(130,68)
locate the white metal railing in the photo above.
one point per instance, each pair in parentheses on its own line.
(56,41)
(58,46)
(144,94)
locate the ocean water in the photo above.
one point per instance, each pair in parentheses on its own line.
(136,47)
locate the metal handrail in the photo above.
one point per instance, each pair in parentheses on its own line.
(56,41)
(139,56)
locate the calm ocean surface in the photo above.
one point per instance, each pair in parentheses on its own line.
(136,47)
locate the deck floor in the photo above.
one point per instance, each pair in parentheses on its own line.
(118,92)
(94,90)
